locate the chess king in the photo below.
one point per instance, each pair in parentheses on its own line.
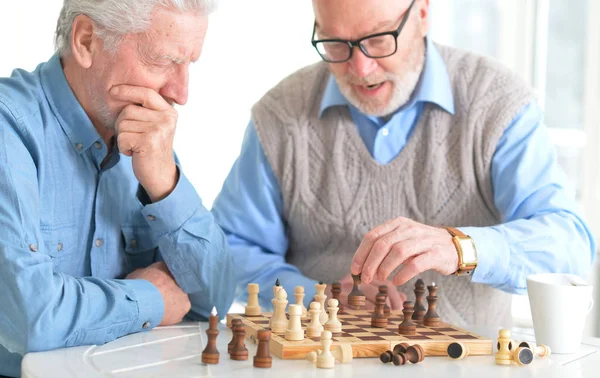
(356,163)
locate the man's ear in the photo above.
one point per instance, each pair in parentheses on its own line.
(83,40)
(423,15)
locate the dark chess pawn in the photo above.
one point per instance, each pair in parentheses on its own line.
(407,327)
(383,289)
(356,298)
(432,319)
(419,304)
(263,357)
(234,323)
(239,351)
(210,354)
(379,319)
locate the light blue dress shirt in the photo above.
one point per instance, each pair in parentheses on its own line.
(541,228)
(70,231)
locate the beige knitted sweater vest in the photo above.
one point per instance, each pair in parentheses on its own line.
(334,192)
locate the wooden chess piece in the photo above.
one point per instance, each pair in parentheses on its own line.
(210,354)
(276,287)
(321,297)
(299,294)
(503,356)
(356,298)
(420,310)
(333,324)
(431,318)
(342,353)
(383,289)
(253,309)
(407,327)
(263,357)
(234,323)
(415,353)
(278,321)
(336,291)
(540,350)
(294,331)
(523,356)
(315,327)
(325,360)
(239,351)
(457,351)
(399,359)
(379,319)
(386,357)
(400,348)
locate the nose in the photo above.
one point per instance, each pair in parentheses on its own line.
(176,88)
(360,64)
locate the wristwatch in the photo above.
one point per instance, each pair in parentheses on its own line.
(467,253)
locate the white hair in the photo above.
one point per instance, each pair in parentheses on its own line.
(116,18)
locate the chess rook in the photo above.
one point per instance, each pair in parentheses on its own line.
(239,351)
(263,357)
(294,331)
(432,319)
(407,327)
(356,298)
(336,290)
(420,310)
(234,323)
(210,354)
(253,308)
(379,319)
(383,289)
(457,351)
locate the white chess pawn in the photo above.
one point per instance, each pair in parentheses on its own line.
(321,297)
(333,324)
(294,331)
(314,328)
(325,360)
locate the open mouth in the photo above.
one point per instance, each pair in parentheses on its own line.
(374,86)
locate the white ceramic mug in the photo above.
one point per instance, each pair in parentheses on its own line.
(559,305)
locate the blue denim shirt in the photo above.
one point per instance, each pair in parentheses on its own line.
(70,231)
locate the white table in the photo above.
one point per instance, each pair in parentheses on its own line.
(176,352)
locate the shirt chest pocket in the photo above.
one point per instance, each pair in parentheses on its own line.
(140,246)
(61,243)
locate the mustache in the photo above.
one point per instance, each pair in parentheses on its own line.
(369,79)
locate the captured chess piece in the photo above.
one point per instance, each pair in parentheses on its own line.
(386,357)
(413,353)
(400,348)
(278,321)
(325,360)
(321,297)
(336,290)
(234,323)
(294,331)
(263,357)
(299,294)
(356,298)
(342,353)
(457,351)
(383,289)
(503,356)
(210,354)
(239,351)
(540,350)
(253,309)
(420,310)
(333,324)
(379,319)
(314,328)
(407,327)
(523,356)
(431,318)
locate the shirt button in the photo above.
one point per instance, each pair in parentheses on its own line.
(134,243)
(33,248)
(79,146)
(98,145)
(146,325)
(385,132)
(99,243)
(151,217)
(59,247)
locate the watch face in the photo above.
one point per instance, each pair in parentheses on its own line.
(469,252)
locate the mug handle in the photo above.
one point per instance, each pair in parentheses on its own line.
(591,305)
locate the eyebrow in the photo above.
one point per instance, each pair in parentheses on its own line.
(373,30)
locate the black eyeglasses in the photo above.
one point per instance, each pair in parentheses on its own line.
(380,45)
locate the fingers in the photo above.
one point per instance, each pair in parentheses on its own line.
(360,257)
(131,142)
(400,253)
(146,97)
(415,266)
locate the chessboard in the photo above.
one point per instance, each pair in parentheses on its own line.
(365,340)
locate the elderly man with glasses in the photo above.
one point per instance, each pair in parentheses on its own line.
(399,158)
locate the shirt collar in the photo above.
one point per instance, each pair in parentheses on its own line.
(71,116)
(434,85)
